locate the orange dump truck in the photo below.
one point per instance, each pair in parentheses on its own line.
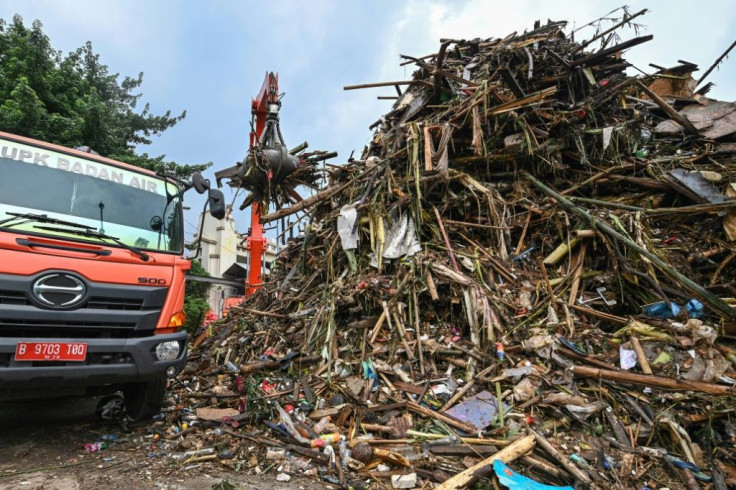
(91,276)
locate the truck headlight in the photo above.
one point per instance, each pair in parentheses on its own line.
(167,351)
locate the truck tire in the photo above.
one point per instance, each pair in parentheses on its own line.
(143,400)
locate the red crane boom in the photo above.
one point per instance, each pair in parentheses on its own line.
(264,105)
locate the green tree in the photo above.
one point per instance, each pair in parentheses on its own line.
(75,101)
(195,297)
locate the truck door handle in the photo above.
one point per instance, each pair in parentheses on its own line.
(29,243)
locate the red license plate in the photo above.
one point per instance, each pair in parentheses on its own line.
(50,351)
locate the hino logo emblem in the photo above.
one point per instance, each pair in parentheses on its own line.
(59,290)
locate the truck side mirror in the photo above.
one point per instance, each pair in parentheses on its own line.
(156,223)
(216,200)
(199,183)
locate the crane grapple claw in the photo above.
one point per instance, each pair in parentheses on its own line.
(267,164)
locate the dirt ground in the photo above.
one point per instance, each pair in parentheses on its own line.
(42,448)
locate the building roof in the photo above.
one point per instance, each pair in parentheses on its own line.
(236,271)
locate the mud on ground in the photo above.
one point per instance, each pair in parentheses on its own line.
(42,447)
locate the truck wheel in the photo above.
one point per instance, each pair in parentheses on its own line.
(143,400)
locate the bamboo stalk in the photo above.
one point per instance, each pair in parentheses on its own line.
(591,58)
(615,319)
(377,328)
(447,240)
(561,251)
(643,362)
(417,330)
(465,389)
(428,148)
(654,381)
(669,109)
(264,313)
(694,287)
(510,453)
(713,66)
(625,20)
(515,104)
(561,458)
(432,287)
(577,275)
(402,336)
(467,428)
(385,84)
(541,465)
(305,203)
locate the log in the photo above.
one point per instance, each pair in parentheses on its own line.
(510,453)
(654,381)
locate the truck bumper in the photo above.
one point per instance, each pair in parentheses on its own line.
(109,362)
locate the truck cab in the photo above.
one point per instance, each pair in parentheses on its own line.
(92,276)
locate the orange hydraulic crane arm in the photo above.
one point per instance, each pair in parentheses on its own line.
(267,153)
(268,95)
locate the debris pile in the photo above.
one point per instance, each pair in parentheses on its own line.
(530,265)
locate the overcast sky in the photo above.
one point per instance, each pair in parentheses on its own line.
(210,58)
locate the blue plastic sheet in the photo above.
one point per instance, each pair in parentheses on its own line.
(514,481)
(661,310)
(694,308)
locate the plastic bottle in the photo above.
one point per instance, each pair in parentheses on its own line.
(320,426)
(325,440)
(344,454)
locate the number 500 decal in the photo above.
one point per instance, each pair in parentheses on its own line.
(151,280)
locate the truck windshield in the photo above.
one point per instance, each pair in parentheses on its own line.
(131,206)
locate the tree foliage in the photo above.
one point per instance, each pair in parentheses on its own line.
(195,297)
(74,100)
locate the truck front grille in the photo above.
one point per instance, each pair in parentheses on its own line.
(114,304)
(13,298)
(110,310)
(94,303)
